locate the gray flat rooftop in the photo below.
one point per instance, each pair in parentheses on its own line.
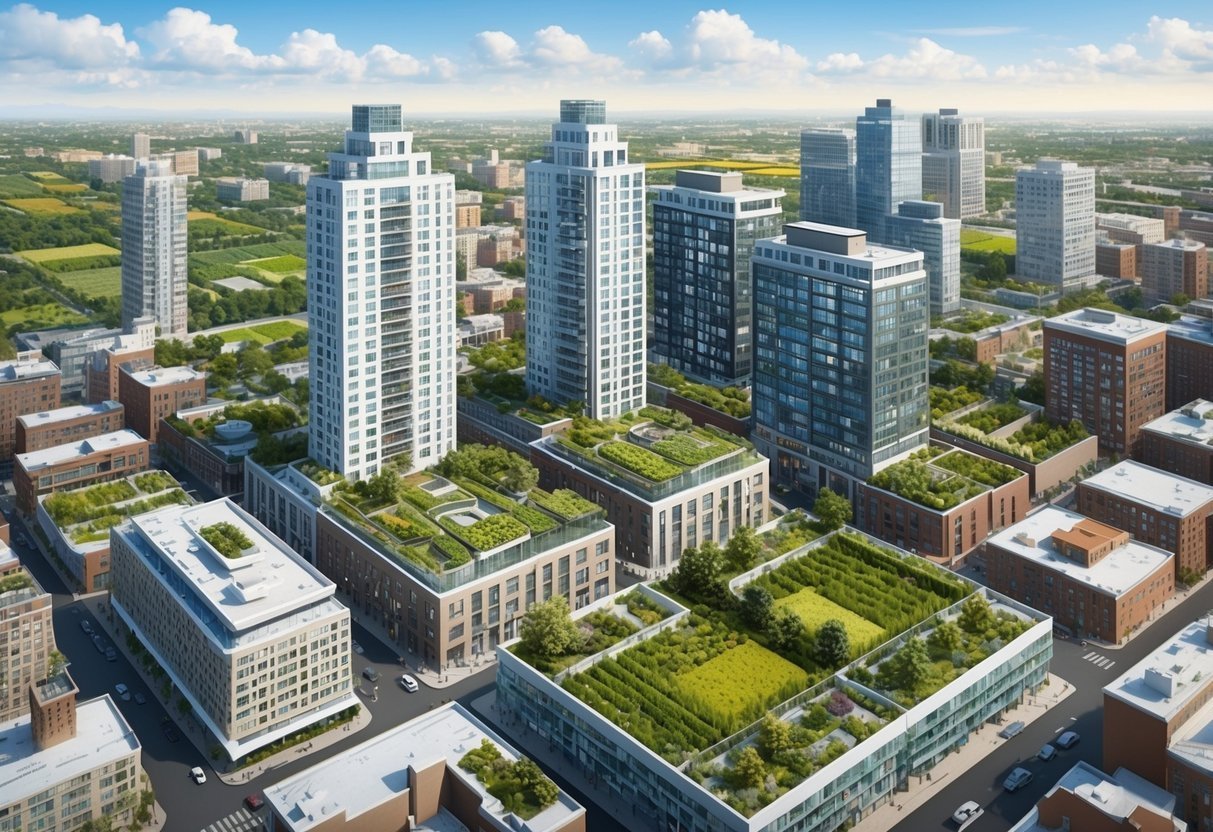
(1117,573)
(1192,328)
(1165,681)
(1106,326)
(1164,492)
(21,370)
(1117,797)
(158,376)
(370,774)
(102,736)
(65,414)
(1187,423)
(35,460)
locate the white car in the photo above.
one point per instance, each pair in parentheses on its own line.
(198,775)
(1017,779)
(1048,752)
(966,812)
(1068,740)
(123,692)
(409,683)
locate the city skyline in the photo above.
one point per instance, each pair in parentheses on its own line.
(681,56)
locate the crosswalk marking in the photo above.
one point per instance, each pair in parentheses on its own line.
(1099,660)
(239,821)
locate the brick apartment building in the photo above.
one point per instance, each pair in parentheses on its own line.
(135,349)
(1189,361)
(1113,259)
(98,459)
(1093,579)
(1108,371)
(151,395)
(28,384)
(1175,267)
(1181,442)
(1157,508)
(47,428)
(27,634)
(1087,800)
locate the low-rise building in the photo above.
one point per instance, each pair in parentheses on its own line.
(209,154)
(450,572)
(47,428)
(28,384)
(292,173)
(244,136)
(101,458)
(104,366)
(27,634)
(490,290)
(1015,334)
(1113,259)
(1158,720)
(1158,508)
(185,162)
(512,208)
(152,394)
(1176,267)
(249,633)
(1189,361)
(374,786)
(1093,579)
(111,168)
(202,442)
(478,330)
(287,498)
(467,216)
(72,351)
(66,764)
(1085,798)
(76,523)
(1130,228)
(941,503)
(1181,442)
(241,189)
(665,488)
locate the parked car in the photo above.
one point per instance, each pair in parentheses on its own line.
(357,648)
(1068,740)
(1048,752)
(1012,730)
(99,643)
(198,775)
(123,692)
(170,730)
(1017,779)
(111,655)
(409,683)
(370,674)
(140,699)
(966,812)
(253,802)
(86,627)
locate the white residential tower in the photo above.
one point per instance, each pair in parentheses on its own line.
(155,238)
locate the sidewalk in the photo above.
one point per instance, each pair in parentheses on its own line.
(923,788)
(1171,603)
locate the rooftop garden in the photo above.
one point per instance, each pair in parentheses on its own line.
(14,581)
(268,420)
(990,419)
(921,481)
(971,320)
(85,515)
(228,539)
(1034,442)
(317,473)
(977,468)
(945,401)
(520,785)
(497,384)
(731,400)
(551,641)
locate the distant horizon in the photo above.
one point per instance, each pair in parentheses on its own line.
(1035,58)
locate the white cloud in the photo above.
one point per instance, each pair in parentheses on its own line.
(652,46)
(384,61)
(841,62)
(316,52)
(1178,38)
(926,59)
(188,39)
(496,48)
(1122,57)
(717,39)
(67,43)
(553,46)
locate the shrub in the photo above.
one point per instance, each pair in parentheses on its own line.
(691,450)
(520,785)
(563,502)
(488,532)
(639,461)
(990,419)
(227,538)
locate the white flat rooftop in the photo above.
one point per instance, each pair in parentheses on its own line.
(1117,573)
(1192,328)
(1104,325)
(1116,797)
(1178,496)
(21,370)
(64,414)
(35,460)
(102,736)
(265,584)
(1165,681)
(872,252)
(1188,423)
(370,774)
(159,376)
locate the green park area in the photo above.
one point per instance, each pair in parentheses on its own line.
(974,240)
(209,224)
(95,283)
(47,255)
(41,316)
(263,334)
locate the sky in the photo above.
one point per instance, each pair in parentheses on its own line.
(470,57)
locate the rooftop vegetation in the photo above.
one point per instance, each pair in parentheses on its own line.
(990,419)
(972,320)
(227,538)
(14,581)
(488,532)
(1034,442)
(551,641)
(562,502)
(977,468)
(85,515)
(317,473)
(731,400)
(520,785)
(918,481)
(944,401)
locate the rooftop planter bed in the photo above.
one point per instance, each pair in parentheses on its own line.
(393,529)
(944,401)
(598,631)
(794,530)
(228,539)
(694,448)
(1034,442)
(639,461)
(990,419)
(70,508)
(985,471)
(916,481)
(644,608)
(533,519)
(425,501)
(731,400)
(973,321)
(563,502)
(488,532)
(15,581)
(98,528)
(154,481)
(520,785)
(317,473)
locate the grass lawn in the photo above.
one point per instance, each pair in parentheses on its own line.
(244,334)
(739,679)
(47,176)
(205,222)
(41,206)
(283,264)
(42,316)
(815,610)
(42,255)
(95,283)
(980,241)
(66,187)
(14,184)
(279,330)
(255,252)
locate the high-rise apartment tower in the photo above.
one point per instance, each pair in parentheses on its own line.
(1055,223)
(888,165)
(954,162)
(827,176)
(155,238)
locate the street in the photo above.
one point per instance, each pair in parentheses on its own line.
(1088,670)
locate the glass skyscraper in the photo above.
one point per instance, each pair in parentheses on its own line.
(827,176)
(954,162)
(704,229)
(888,165)
(840,364)
(922,225)
(155,237)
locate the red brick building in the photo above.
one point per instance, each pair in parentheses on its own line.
(151,395)
(103,367)
(1113,259)
(1087,800)
(1181,442)
(48,428)
(1189,361)
(1093,580)
(98,459)
(28,384)
(1108,371)
(1175,267)
(1157,508)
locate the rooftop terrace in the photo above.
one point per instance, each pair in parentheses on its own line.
(940,481)
(1104,325)
(85,515)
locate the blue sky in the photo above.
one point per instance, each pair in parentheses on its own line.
(501,57)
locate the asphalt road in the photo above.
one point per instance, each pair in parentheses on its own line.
(193,807)
(1081,712)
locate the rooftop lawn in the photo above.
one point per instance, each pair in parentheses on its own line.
(1034,442)
(920,482)
(85,515)
(990,419)
(228,539)
(944,401)
(68,252)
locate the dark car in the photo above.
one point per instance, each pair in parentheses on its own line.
(170,731)
(140,699)
(1012,730)
(254,802)
(99,643)
(86,627)
(370,674)
(1067,740)
(111,655)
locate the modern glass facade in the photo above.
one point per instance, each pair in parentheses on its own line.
(922,225)
(702,242)
(954,162)
(840,374)
(827,176)
(154,243)
(888,165)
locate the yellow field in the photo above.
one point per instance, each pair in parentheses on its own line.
(738,680)
(200,215)
(775,171)
(755,168)
(42,255)
(41,205)
(46,175)
(65,187)
(815,610)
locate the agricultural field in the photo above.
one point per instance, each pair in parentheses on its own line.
(242,254)
(975,240)
(208,223)
(41,206)
(716,682)
(95,283)
(16,185)
(263,334)
(749,168)
(283,264)
(41,316)
(815,610)
(47,176)
(66,187)
(44,255)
